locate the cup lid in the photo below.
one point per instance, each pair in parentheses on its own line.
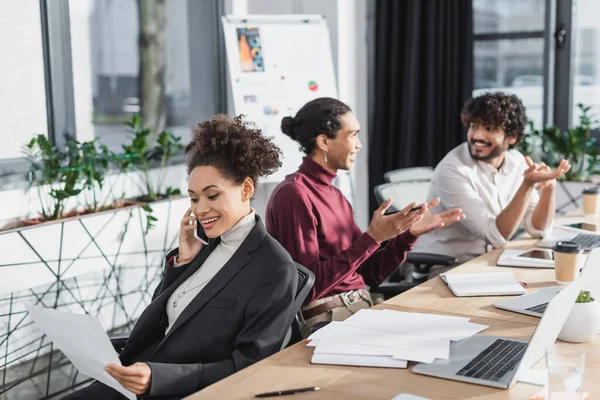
(567,247)
(591,190)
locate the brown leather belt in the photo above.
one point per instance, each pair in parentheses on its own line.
(338,300)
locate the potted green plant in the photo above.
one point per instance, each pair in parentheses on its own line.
(58,171)
(584,320)
(576,145)
(141,157)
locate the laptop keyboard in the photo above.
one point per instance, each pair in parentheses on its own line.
(495,361)
(540,308)
(588,242)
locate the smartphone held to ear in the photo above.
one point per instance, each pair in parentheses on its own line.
(200,234)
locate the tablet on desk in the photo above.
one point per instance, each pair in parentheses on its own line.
(528,258)
(538,254)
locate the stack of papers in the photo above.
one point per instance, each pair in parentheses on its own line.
(492,284)
(387,338)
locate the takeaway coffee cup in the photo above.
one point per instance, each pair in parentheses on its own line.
(591,200)
(566,261)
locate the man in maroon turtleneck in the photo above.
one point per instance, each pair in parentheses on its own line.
(315,223)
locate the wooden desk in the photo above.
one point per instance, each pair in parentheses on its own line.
(434,294)
(291,368)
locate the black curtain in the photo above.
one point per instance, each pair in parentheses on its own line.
(422,74)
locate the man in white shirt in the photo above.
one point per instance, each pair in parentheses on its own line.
(495,186)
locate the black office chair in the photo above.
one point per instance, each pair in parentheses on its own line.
(417,265)
(306,280)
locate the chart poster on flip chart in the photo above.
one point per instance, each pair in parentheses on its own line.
(276,65)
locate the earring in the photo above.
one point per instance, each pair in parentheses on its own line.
(325,153)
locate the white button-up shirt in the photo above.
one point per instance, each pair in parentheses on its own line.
(482,192)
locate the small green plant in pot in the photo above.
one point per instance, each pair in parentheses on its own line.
(584,297)
(576,145)
(584,320)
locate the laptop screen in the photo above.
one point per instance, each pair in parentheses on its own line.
(549,327)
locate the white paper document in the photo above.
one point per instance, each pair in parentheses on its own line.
(490,284)
(417,355)
(358,360)
(382,338)
(83,340)
(429,325)
(341,333)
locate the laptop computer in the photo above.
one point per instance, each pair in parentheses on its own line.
(585,234)
(497,361)
(535,303)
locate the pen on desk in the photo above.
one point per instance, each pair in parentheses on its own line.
(289,391)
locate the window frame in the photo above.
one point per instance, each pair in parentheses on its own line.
(208,85)
(557,87)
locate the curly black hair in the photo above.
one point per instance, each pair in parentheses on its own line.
(234,147)
(497,110)
(317,117)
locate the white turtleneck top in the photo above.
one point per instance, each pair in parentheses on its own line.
(230,242)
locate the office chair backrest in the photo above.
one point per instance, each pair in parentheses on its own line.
(306,280)
(409,174)
(402,193)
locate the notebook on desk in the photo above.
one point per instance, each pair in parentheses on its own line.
(491,284)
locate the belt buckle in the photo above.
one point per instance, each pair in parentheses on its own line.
(348,300)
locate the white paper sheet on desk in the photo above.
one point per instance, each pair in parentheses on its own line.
(429,325)
(358,360)
(341,333)
(83,340)
(329,347)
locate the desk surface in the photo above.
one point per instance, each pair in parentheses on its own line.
(434,294)
(291,368)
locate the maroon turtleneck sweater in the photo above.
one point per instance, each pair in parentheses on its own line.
(314,222)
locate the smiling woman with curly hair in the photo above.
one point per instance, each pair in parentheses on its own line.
(225,301)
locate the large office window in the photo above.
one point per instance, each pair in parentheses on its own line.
(547,52)
(586,57)
(72,69)
(509,51)
(106,65)
(22,84)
